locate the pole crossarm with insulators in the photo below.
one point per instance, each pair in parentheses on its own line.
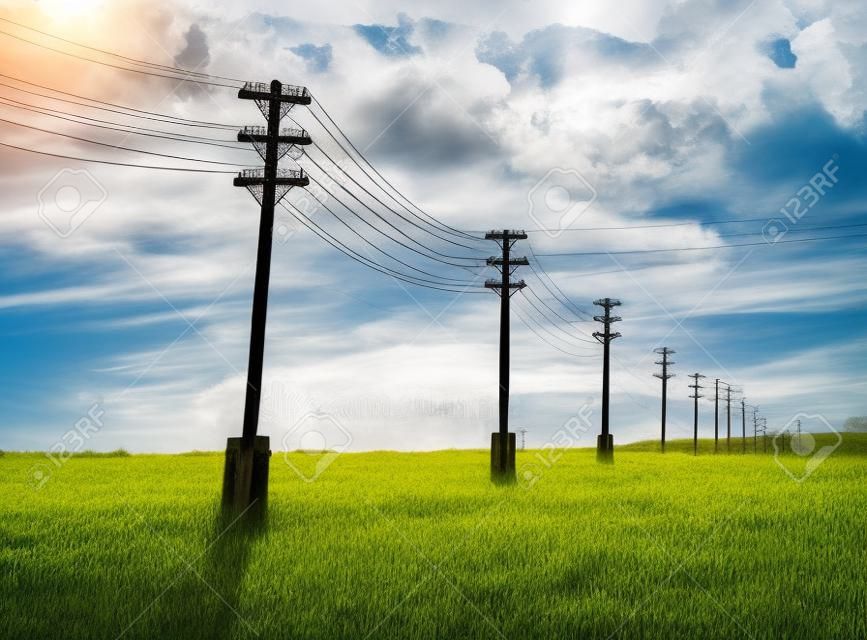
(695,395)
(245,477)
(605,440)
(503,442)
(664,375)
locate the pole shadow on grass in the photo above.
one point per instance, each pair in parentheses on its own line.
(206,601)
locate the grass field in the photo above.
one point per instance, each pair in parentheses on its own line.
(421,545)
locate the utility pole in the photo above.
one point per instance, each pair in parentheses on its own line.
(245,476)
(716,417)
(605,441)
(798,423)
(664,375)
(695,386)
(523,433)
(728,418)
(743,425)
(755,430)
(503,442)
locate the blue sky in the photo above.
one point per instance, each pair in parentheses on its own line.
(686,112)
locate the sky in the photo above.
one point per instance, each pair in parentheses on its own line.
(126,292)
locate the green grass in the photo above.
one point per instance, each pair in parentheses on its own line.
(397,545)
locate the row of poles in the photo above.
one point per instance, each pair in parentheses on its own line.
(245,477)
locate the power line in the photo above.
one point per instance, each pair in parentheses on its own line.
(720,246)
(547,317)
(116,66)
(374,169)
(109,162)
(366,206)
(117,55)
(334,242)
(359,185)
(798,229)
(400,231)
(566,302)
(546,341)
(653,226)
(161,117)
(116,126)
(396,259)
(122,148)
(541,326)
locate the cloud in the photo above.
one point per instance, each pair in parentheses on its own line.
(680,117)
(549,54)
(195,54)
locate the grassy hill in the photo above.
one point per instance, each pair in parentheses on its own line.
(420,545)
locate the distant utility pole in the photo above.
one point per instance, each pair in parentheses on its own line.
(245,477)
(798,423)
(755,429)
(695,386)
(503,442)
(716,417)
(728,418)
(523,433)
(743,424)
(763,429)
(664,375)
(605,441)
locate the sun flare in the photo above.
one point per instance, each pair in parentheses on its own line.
(69,8)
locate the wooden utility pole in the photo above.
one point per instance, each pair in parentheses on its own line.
(695,386)
(503,442)
(728,418)
(605,441)
(716,417)
(245,477)
(743,425)
(755,430)
(664,375)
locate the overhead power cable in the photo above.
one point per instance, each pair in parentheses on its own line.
(438,255)
(146,115)
(563,299)
(546,341)
(334,242)
(569,323)
(121,67)
(441,224)
(121,57)
(114,126)
(719,246)
(122,148)
(379,249)
(113,163)
(399,215)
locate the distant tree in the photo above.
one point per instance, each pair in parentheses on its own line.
(856,423)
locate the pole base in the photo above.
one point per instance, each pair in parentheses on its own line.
(501,474)
(605,449)
(245,476)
